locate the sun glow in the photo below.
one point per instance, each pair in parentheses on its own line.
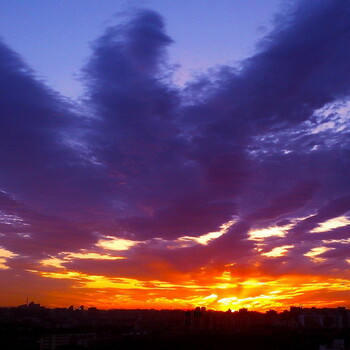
(220,287)
(219,292)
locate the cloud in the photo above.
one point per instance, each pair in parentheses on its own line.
(146,164)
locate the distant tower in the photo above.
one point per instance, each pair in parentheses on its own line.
(27,303)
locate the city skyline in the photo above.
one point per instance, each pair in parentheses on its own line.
(142,185)
(296,328)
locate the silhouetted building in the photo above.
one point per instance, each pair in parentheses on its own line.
(322,318)
(31,306)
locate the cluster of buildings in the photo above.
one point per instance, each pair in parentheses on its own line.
(143,320)
(200,318)
(61,327)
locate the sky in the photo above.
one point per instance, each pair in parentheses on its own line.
(165,154)
(56,43)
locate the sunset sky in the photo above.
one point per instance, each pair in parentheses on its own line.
(172,154)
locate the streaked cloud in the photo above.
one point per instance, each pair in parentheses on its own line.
(206,238)
(278,251)
(314,254)
(274,231)
(114,243)
(4,255)
(331,224)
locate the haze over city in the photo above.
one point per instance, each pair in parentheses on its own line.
(161,154)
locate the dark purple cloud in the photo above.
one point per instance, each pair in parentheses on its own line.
(146,159)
